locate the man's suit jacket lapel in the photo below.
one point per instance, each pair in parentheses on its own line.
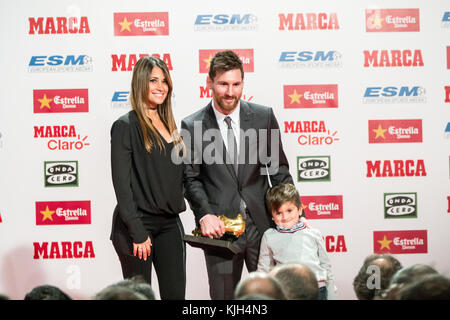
(210,122)
(246,117)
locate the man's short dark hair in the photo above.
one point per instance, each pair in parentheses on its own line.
(298,281)
(225,61)
(388,266)
(138,284)
(259,283)
(429,287)
(46,292)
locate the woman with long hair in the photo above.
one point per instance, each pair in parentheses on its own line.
(146,228)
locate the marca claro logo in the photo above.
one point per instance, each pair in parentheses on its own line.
(310,59)
(395,131)
(392,20)
(58,63)
(63,212)
(395,168)
(61,173)
(313,168)
(400,205)
(141,23)
(310,96)
(126,62)
(395,94)
(63,250)
(61,137)
(226,22)
(311,133)
(393,58)
(399,242)
(323,207)
(60,100)
(308,21)
(205,57)
(58,25)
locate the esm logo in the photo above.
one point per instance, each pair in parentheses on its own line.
(226,22)
(57,63)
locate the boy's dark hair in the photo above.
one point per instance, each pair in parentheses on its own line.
(280,194)
(46,292)
(225,61)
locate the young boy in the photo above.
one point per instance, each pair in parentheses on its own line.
(291,241)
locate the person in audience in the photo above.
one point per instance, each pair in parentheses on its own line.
(119,292)
(291,241)
(138,284)
(375,275)
(427,287)
(297,281)
(259,283)
(46,292)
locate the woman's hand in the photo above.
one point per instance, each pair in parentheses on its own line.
(142,249)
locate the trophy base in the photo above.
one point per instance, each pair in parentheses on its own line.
(221,246)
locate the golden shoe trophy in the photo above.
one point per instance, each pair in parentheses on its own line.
(233,229)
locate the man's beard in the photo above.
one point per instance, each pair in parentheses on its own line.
(225,105)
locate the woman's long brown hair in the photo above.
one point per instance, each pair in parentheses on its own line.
(139,101)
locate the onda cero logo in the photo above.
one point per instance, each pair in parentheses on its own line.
(400,205)
(61,173)
(313,169)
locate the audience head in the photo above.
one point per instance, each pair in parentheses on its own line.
(427,287)
(297,280)
(46,292)
(259,283)
(366,284)
(135,288)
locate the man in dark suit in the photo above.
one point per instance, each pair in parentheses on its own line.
(220,181)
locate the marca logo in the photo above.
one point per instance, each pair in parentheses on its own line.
(207,94)
(63,250)
(61,173)
(446,20)
(323,207)
(141,23)
(126,62)
(308,21)
(335,244)
(393,58)
(310,96)
(311,132)
(63,212)
(61,137)
(393,94)
(400,205)
(313,169)
(69,63)
(392,20)
(60,100)
(226,22)
(447,94)
(396,168)
(58,25)
(205,57)
(310,59)
(395,131)
(398,242)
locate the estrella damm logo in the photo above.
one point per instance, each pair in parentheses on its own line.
(141,24)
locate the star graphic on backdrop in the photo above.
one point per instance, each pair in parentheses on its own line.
(45,102)
(295,97)
(47,214)
(208,61)
(379,132)
(125,24)
(377,21)
(385,243)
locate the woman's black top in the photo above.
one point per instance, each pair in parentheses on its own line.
(144,183)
